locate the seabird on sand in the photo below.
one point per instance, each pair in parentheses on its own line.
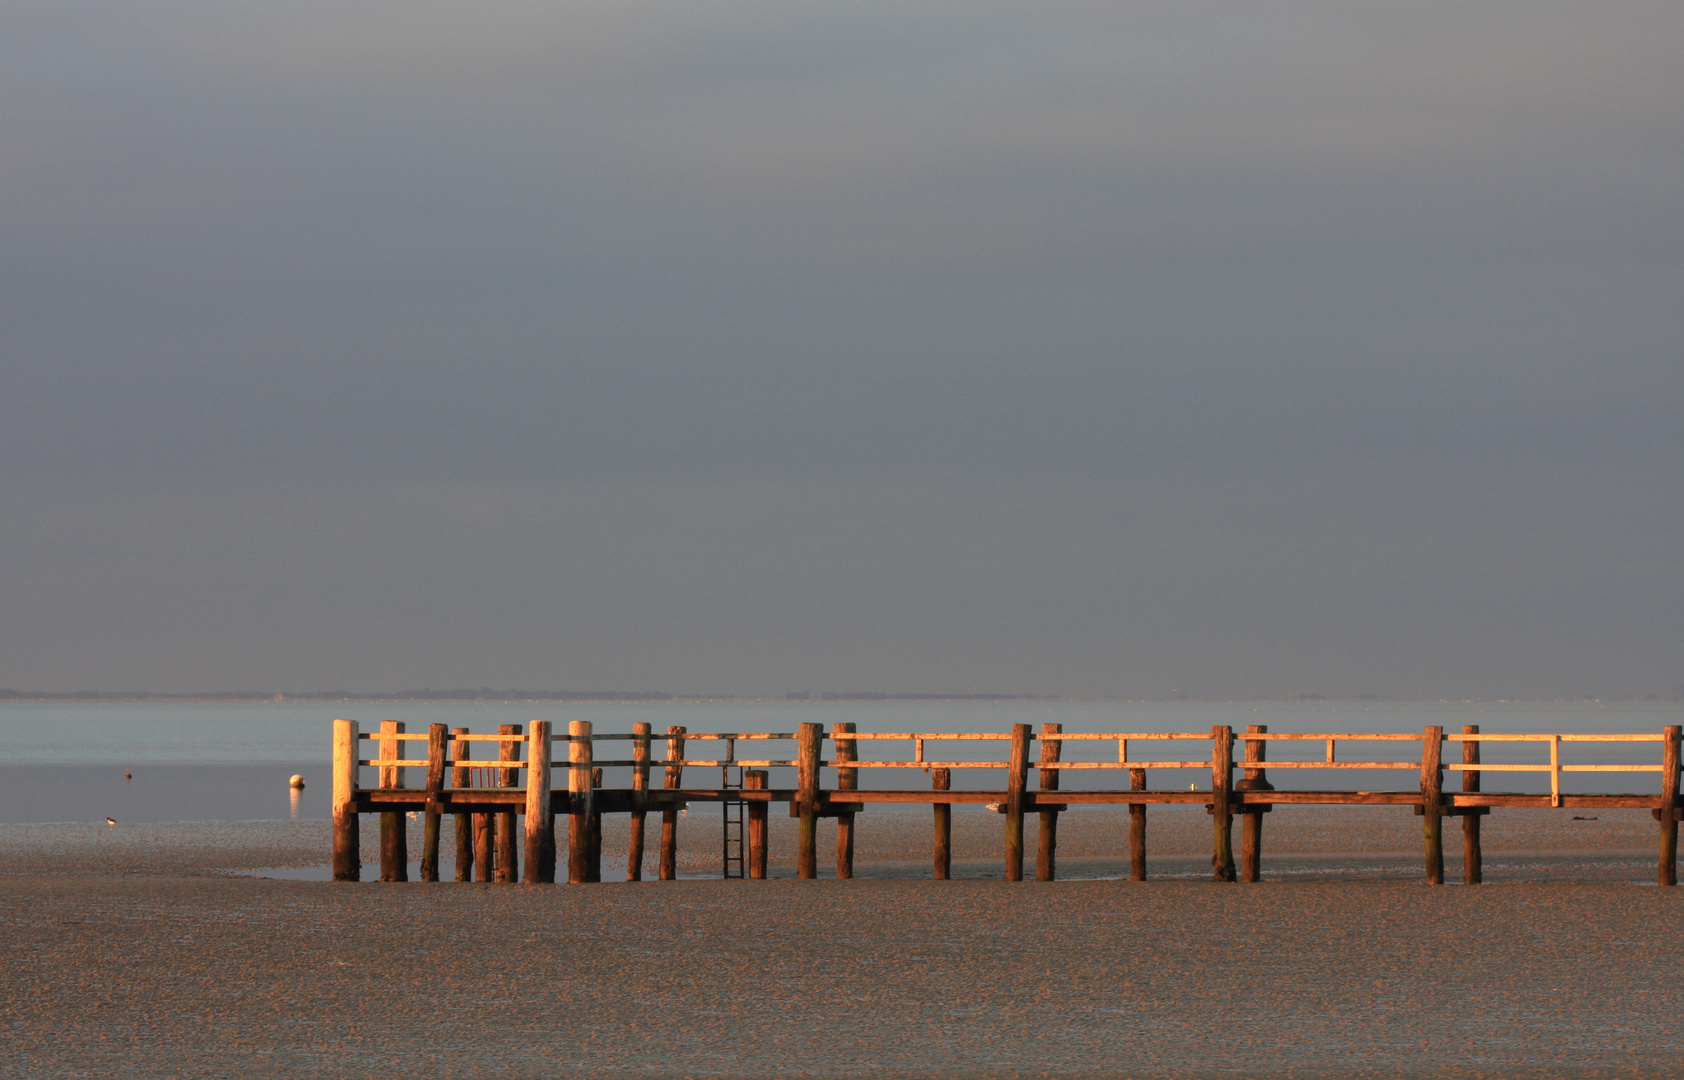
(111,821)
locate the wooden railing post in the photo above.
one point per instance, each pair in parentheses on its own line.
(347,839)
(461,778)
(1667,870)
(435,786)
(540,819)
(669,816)
(1251,814)
(1017,780)
(640,791)
(1473,871)
(1137,828)
(1432,803)
(846,780)
(580,754)
(1046,851)
(394,829)
(1221,807)
(808,740)
(940,779)
(755,780)
(508,858)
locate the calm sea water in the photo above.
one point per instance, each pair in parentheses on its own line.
(217,761)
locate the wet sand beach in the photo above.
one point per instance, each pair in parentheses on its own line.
(132,952)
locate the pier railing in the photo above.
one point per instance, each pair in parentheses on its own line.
(484,795)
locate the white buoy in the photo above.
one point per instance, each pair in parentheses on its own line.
(296,781)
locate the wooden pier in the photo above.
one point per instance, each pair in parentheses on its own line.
(485,795)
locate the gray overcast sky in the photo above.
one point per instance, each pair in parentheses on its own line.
(747,347)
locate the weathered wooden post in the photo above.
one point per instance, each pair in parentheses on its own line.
(508,870)
(1221,807)
(669,816)
(1251,821)
(640,791)
(540,821)
(435,788)
(593,852)
(581,797)
(1432,803)
(755,780)
(808,739)
(1046,851)
(485,847)
(1667,871)
(940,780)
(1017,780)
(394,830)
(460,778)
(1137,828)
(846,780)
(347,839)
(1473,871)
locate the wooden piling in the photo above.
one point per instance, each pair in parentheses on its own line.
(485,848)
(1251,819)
(669,817)
(940,780)
(640,791)
(1432,802)
(347,838)
(394,829)
(1137,828)
(1221,806)
(1046,851)
(593,849)
(430,817)
(756,780)
(846,780)
(460,777)
(1473,870)
(1017,780)
(1667,870)
(508,870)
(581,801)
(808,740)
(540,822)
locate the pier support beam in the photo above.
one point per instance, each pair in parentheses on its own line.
(940,780)
(1017,779)
(1667,870)
(581,801)
(1137,828)
(756,780)
(460,777)
(640,791)
(669,816)
(1473,858)
(808,739)
(1432,802)
(540,822)
(508,859)
(347,839)
(846,780)
(1251,814)
(430,816)
(1221,806)
(394,827)
(1046,849)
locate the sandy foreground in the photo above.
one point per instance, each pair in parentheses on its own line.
(134,952)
